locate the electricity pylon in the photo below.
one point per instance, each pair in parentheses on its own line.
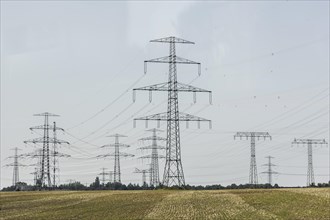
(253,177)
(35,176)
(154,156)
(117,154)
(110,176)
(103,173)
(270,172)
(144,176)
(310,143)
(15,166)
(45,179)
(173,172)
(37,173)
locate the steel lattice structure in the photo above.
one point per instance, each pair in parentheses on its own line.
(144,176)
(310,143)
(45,172)
(55,154)
(154,156)
(173,172)
(269,171)
(253,176)
(103,173)
(110,176)
(117,154)
(15,166)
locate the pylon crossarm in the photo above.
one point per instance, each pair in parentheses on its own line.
(152,138)
(156,87)
(151,156)
(116,135)
(32,155)
(157,117)
(172,40)
(268,164)
(168,59)
(115,145)
(163,117)
(253,134)
(50,127)
(188,117)
(141,171)
(46,114)
(272,172)
(309,141)
(164,87)
(39,127)
(152,147)
(36,155)
(49,140)
(182,117)
(114,155)
(14,164)
(58,154)
(58,141)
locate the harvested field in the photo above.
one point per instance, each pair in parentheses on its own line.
(168,204)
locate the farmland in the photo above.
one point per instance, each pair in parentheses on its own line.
(168,204)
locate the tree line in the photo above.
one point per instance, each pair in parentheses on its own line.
(96,185)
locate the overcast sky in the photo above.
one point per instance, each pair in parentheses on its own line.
(267,64)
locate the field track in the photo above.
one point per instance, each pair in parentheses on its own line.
(168,204)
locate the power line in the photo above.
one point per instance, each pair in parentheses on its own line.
(109,105)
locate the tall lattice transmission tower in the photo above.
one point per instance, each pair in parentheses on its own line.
(269,171)
(173,172)
(54,155)
(154,156)
(110,176)
(117,154)
(103,174)
(15,166)
(46,140)
(310,144)
(253,176)
(144,174)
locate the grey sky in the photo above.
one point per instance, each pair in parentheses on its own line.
(260,59)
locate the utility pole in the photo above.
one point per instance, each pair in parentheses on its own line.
(270,172)
(173,172)
(310,143)
(144,176)
(117,154)
(45,179)
(253,177)
(15,166)
(154,156)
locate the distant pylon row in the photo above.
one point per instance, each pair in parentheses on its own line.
(253,175)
